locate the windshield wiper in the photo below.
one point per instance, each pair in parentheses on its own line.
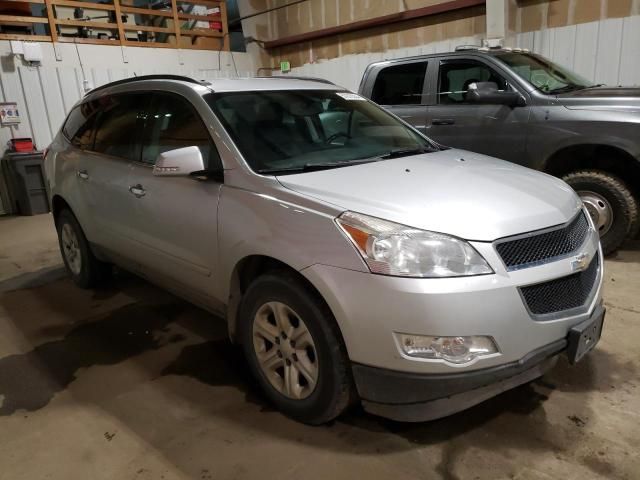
(313,167)
(404,153)
(567,88)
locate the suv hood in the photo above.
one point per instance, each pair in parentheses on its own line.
(603,98)
(452,191)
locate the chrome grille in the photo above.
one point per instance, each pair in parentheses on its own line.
(561,294)
(536,248)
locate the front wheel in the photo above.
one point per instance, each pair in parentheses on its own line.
(83,267)
(294,348)
(610,204)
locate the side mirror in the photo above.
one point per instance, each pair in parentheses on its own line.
(180,162)
(487,93)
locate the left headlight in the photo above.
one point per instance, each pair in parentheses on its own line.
(392,249)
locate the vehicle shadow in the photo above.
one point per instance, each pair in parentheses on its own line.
(185,353)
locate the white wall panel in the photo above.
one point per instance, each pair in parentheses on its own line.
(45,94)
(630,56)
(608,51)
(584,62)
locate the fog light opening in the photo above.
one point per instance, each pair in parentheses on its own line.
(458,350)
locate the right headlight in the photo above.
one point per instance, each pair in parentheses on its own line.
(392,249)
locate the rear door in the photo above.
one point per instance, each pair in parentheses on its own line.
(496,130)
(175,218)
(400,88)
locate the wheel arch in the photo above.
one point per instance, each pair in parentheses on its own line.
(245,272)
(595,156)
(57,205)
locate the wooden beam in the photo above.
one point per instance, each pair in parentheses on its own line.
(19,36)
(201,32)
(146,28)
(176,22)
(22,19)
(130,43)
(53,31)
(439,8)
(25,1)
(89,41)
(145,11)
(86,23)
(116,6)
(204,18)
(84,5)
(225,26)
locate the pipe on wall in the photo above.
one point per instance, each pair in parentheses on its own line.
(439,8)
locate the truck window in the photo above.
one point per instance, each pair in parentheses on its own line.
(400,84)
(456,76)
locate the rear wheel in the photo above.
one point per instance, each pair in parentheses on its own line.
(294,348)
(610,204)
(83,267)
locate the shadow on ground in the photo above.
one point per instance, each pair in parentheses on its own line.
(513,420)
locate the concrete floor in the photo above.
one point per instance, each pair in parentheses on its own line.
(129,382)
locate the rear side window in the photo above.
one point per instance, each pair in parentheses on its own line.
(80,125)
(120,124)
(173,124)
(400,84)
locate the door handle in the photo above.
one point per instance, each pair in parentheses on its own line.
(443,121)
(137,190)
(83,174)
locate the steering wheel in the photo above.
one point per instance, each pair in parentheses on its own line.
(337,135)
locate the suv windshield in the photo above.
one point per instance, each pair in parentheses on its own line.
(303,130)
(544,74)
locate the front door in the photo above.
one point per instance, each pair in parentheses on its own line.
(495,130)
(176,217)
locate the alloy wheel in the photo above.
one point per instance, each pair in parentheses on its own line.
(71,249)
(285,350)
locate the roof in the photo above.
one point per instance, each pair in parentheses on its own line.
(239,84)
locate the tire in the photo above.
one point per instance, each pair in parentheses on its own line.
(333,391)
(613,195)
(81,264)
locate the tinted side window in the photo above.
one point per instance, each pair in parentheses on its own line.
(80,125)
(400,84)
(120,125)
(455,78)
(173,124)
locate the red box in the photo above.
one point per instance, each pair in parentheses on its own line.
(21,145)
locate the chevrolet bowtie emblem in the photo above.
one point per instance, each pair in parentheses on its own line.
(580,262)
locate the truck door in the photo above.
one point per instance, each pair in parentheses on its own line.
(496,130)
(400,88)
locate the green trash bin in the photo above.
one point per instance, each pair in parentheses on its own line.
(24,173)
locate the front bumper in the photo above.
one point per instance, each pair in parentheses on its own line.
(372,309)
(413,397)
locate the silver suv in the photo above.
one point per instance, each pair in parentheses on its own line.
(353,258)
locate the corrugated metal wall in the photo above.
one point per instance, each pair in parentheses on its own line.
(606,51)
(45,94)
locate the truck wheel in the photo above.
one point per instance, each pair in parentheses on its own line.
(294,349)
(83,267)
(610,203)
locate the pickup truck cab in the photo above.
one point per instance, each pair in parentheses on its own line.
(521,107)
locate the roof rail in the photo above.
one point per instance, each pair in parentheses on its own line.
(150,77)
(293,77)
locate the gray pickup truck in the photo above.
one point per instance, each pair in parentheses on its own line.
(521,107)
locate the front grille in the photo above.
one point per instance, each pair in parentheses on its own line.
(535,248)
(563,293)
